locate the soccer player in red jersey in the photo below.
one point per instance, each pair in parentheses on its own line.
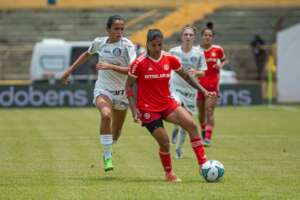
(151,73)
(215,59)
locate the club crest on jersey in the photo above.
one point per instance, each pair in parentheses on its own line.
(213,54)
(147,115)
(193,59)
(117,51)
(166,67)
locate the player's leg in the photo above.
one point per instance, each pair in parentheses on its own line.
(201,113)
(174,134)
(210,105)
(157,130)
(161,137)
(180,141)
(181,136)
(118,118)
(181,117)
(104,105)
(176,128)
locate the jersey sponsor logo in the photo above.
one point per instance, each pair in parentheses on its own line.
(156,76)
(193,59)
(117,51)
(186,94)
(116,92)
(166,67)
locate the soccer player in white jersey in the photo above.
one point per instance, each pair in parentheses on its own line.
(193,61)
(115,55)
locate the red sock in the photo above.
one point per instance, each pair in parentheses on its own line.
(209,131)
(166,161)
(199,150)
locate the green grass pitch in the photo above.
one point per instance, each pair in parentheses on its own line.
(55,154)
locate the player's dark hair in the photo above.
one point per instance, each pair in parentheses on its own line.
(152,34)
(209,26)
(189,27)
(112,19)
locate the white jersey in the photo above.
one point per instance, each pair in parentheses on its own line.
(111,83)
(181,90)
(121,53)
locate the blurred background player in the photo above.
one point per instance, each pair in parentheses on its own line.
(151,72)
(215,59)
(193,61)
(115,55)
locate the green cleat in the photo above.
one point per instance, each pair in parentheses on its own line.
(108,166)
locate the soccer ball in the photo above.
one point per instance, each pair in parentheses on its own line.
(212,170)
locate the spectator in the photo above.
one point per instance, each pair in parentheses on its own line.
(260,55)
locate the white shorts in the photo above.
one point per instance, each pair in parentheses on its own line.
(117,97)
(186,99)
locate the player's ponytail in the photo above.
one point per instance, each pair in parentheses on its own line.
(209,26)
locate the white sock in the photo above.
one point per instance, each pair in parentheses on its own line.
(106,141)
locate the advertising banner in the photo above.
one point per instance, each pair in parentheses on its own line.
(81,95)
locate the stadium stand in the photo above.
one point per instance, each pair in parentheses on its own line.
(22,28)
(22,23)
(235,28)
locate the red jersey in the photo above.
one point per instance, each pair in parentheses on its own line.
(212,74)
(153,93)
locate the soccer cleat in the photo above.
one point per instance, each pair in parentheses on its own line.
(178,154)
(171,177)
(206,142)
(174,135)
(108,166)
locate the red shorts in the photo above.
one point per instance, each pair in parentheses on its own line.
(149,116)
(200,95)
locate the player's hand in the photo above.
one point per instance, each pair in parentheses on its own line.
(218,66)
(136,117)
(104,66)
(65,76)
(209,94)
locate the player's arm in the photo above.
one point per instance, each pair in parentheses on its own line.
(223,60)
(80,60)
(193,82)
(221,63)
(108,66)
(131,95)
(201,66)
